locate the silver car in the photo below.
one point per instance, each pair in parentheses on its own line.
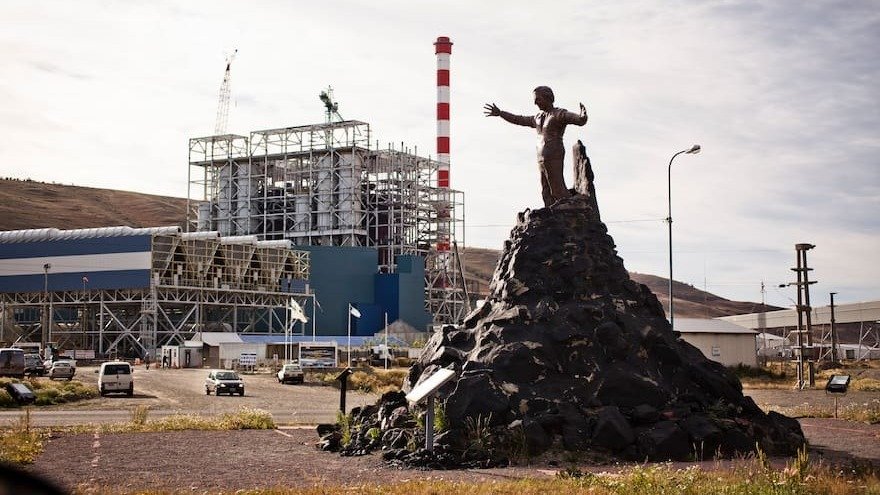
(62,369)
(224,382)
(291,373)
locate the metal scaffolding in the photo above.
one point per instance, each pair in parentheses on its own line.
(323,185)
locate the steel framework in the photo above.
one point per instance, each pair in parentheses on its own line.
(199,282)
(323,185)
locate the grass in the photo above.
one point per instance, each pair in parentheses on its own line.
(22,443)
(49,392)
(375,380)
(784,376)
(864,412)
(800,477)
(245,418)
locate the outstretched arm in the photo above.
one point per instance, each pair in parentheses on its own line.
(491,110)
(579,118)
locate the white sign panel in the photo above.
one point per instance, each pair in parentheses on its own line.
(430,385)
(247,359)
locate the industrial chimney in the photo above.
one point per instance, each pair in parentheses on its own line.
(443,50)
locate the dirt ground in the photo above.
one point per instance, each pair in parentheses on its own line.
(170,390)
(287,457)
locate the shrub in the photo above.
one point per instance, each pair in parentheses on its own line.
(49,392)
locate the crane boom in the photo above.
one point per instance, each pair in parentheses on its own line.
(223,104)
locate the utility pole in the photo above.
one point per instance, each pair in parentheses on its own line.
(805,323)
(834,354)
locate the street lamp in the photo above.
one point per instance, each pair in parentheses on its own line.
(693,150)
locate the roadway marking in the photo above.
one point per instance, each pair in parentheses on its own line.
(96,445)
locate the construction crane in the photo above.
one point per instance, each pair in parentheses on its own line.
(331,107)
(223,104)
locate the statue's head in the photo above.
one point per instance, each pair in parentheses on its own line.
(544,97)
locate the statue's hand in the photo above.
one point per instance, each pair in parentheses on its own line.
(583,110)
(491,110)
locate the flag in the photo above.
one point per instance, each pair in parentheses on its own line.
(85,279)
(354,311)
(296,312)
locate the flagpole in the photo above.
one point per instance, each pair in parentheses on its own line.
(348,362)
(386,340)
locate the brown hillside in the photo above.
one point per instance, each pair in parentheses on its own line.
(33,205)
(690,302)
(36,205)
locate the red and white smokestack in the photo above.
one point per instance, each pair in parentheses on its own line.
(443,49)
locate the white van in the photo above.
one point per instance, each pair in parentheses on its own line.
(115,377)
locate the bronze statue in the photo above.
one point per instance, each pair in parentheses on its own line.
(550,123)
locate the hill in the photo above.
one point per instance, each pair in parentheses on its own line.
(690,302)
(28,204)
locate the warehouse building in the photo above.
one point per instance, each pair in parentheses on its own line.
(720,341)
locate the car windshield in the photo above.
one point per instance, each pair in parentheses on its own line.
(117,369)
(61,364)
(227,375)
(291,367)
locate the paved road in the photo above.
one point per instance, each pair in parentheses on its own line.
(183,391)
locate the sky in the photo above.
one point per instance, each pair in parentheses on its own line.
(783,98)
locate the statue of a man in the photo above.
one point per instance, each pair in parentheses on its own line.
(550,123)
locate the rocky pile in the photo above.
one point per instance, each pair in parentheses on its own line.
(569,352)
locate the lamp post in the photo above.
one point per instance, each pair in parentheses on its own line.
(693,150)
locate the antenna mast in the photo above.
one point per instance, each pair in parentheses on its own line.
(223,104)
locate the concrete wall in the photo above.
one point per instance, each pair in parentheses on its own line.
(727,349)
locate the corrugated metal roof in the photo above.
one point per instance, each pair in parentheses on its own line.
(700,325)
(341,340)
(216,338)
(36,235)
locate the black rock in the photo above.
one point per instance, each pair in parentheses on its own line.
(571,349)
(612,432)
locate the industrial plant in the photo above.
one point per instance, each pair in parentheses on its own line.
(288,231)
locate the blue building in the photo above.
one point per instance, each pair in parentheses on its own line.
(128,291)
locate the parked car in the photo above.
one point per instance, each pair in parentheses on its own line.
(224,382)
(33,365)
(12,362)
(292,373)
(62,369)
(115,376)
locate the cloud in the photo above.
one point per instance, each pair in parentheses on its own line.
(782,98)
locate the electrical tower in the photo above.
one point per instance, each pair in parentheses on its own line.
(806,352)
(223,103)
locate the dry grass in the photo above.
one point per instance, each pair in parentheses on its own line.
(756,477)
(49,392)
(21,443)
(373,380)
(864,412)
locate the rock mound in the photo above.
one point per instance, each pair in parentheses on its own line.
(568,351)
